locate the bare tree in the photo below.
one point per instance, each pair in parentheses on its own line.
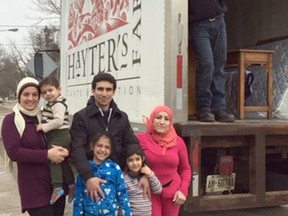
(14,59)
(48,7)
(45,40)
(9,73)
(17,56)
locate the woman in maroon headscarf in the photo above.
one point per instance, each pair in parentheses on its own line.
(168,156)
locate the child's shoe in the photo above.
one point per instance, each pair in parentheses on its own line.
(71,194)
(57,193)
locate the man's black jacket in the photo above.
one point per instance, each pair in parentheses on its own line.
(90,120)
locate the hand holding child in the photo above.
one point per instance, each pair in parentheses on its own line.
(94,189)
(57,154)
(39,127)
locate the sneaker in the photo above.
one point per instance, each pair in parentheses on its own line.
(57,193)
(223,116)
(206,117)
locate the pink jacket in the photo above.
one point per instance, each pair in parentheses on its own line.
(172,169)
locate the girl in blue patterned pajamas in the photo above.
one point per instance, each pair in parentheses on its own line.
(116,201)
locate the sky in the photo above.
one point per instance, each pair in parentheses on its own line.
(17,14)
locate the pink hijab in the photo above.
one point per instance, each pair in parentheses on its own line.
(167,140)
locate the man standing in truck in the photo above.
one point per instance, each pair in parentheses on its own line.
(208,37)
(100,114)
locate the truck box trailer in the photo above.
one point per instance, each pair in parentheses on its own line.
(144,45)
(138,42)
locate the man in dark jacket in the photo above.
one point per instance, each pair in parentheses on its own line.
(208,37)
(100,114)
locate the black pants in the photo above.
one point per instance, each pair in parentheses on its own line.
(50,210)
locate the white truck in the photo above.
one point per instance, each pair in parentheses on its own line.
(144,45)
(138,42)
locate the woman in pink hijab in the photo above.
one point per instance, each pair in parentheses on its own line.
(168,156)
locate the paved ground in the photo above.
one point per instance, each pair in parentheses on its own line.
(10,203)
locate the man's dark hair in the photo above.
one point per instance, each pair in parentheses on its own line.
(50,80)
(104,77)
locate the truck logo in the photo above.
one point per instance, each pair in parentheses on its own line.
(91,19)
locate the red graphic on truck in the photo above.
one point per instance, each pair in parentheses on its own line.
(87,22)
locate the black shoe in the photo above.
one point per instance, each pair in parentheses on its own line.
(223,116)
(206,117)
